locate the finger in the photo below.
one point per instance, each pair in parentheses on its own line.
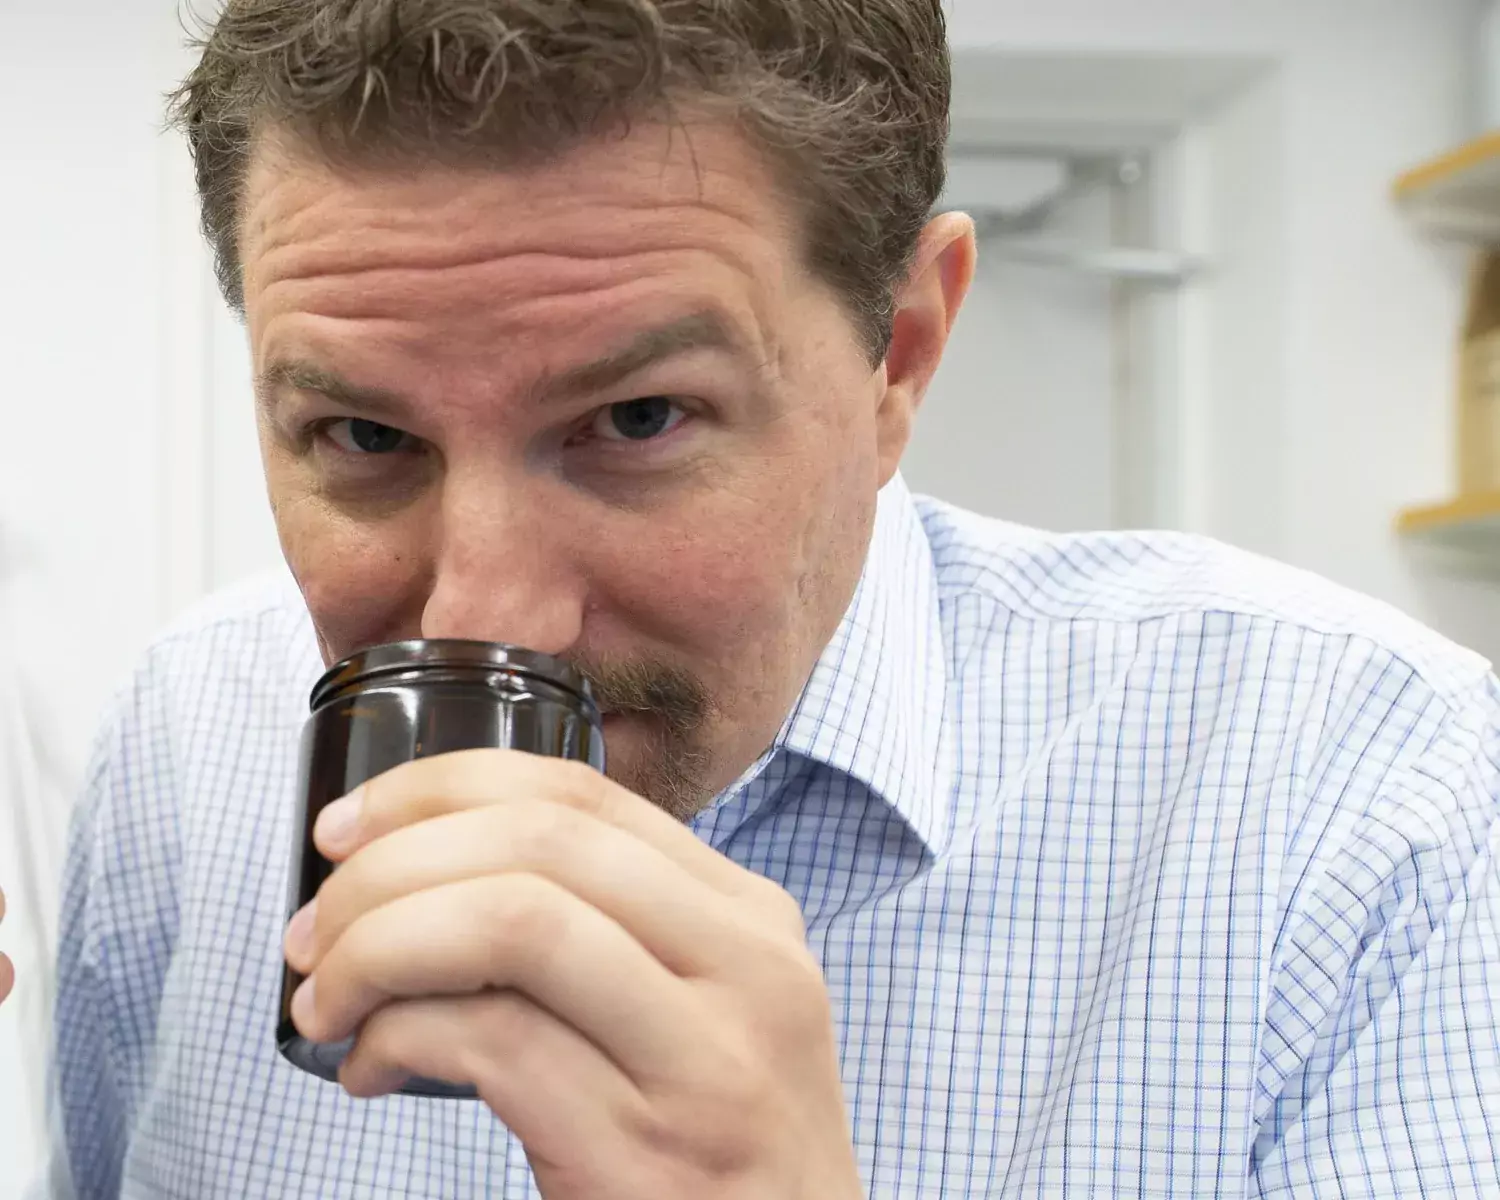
(7,970)
(549,1085)
(497,932)
(431,787)
(694,930)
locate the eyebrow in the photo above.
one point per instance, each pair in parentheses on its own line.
(704,330)
(302,376)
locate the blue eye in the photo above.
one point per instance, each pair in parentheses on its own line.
(365,437)
(638,420)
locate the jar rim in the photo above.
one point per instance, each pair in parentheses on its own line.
(396,657)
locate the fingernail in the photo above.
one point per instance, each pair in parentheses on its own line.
(303,1000)
(337,827)
(299,933)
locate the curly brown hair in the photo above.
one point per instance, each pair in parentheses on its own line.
(849,98)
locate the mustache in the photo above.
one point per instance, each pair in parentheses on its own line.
(651,688)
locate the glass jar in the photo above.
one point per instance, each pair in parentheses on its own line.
(408,700)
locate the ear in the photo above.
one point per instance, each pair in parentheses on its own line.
(926,307)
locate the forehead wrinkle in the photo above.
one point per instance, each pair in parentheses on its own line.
(530,370)
(539,263)
(405,300)
(723,174)
(431,267)
(333,233)
(527,216)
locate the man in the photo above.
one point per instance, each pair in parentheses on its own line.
(938,857)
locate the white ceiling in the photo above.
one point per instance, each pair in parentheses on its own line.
(1006,99)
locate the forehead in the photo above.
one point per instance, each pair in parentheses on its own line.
(470,288)
(657,191)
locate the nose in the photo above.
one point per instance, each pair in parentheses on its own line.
(505,571)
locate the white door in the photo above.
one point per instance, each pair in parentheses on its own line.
(1020,421)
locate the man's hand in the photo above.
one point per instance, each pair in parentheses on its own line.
(7,972)
(640,1011)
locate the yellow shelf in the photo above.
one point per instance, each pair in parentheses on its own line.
(1470,523)
(1458,194)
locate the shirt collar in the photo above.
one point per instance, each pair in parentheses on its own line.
(873,707)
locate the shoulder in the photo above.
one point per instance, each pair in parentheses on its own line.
(256,617)
(251,642)
(1151,588)
(1362,743)
(244,654)
(225,680)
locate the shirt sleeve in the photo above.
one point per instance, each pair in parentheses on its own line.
(1383,1021)
(117,928)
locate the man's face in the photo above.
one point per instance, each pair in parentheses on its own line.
(599,409)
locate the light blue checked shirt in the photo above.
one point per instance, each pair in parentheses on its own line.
(1137,867)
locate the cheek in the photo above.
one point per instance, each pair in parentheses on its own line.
(699,583)
(739,569)
(361,580)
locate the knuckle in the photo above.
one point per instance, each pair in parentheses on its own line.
(396,1037)
(490,1033)
(526,924)
(797,1007)
(356,956)
(507,1025)
(470,777)
(383,1036)
(785,910)
(742,1080)
(379,796)
(708,1132)
(582,787)
(337,897)
(508,1017)
(542,834)
(808,1002)
(501,1040)
(425,787)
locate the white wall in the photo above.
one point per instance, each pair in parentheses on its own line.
(82,343)
(80,300)
(1354,388)
(1019,422)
